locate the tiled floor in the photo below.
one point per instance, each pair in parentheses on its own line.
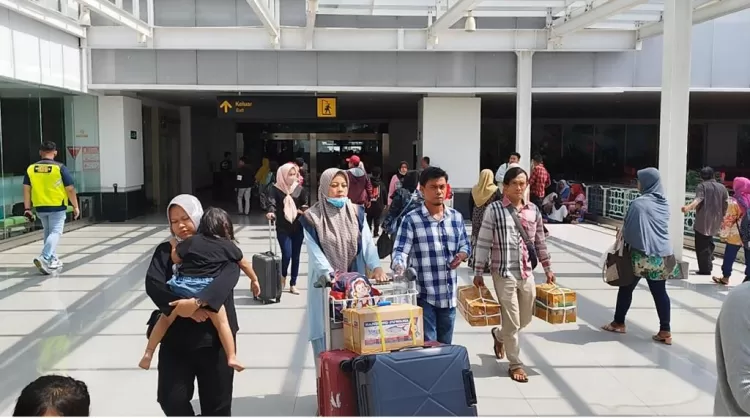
(89,322)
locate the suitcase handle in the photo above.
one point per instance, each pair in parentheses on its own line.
(271,246)
(469,388)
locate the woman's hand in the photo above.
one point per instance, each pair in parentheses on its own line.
(270,216)
(185,307)
(200,315)
(379,275)
(255,287)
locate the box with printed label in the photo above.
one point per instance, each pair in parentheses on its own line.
(556,305)
(379,329)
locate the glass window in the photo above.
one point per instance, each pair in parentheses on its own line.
(696,146)
(609,152)
(547,141)
(578,152)
(641,148)
(743,146)
(498,140)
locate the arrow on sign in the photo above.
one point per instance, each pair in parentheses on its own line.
(225,106)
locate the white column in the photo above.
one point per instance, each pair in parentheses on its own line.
(523,107)
(149,12)
(121,143)
(675,99)
(136,8)
(186,152)
(450,133)
(156,170)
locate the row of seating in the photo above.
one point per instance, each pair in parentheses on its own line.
(16,223)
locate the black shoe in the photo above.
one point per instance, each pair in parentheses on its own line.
(702,273)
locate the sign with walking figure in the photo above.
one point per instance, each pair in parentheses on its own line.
(326,107)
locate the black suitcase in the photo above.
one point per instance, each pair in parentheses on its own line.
(267,266)
(431,381)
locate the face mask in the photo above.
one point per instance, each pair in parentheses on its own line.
(337,202)
(290,180)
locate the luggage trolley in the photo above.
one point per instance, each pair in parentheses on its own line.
(334,328)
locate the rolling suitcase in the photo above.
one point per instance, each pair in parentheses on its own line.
(267,266)
(336,395)
(432,381)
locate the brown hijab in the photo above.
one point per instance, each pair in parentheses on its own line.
(338,229)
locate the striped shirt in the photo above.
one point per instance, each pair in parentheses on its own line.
(500,241)
(430,245)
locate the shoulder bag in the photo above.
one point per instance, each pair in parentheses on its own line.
(530,246)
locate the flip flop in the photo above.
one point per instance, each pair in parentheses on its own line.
(720,280)
(610,328)
(497,347)
(520,371)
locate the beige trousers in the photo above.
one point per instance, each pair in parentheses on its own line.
(516,297)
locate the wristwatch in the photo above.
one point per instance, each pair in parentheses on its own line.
(198,302)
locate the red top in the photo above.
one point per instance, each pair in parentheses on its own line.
(539,181)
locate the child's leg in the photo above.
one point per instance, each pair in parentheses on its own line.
(157,333)
(221,322)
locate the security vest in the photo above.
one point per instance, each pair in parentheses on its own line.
(47,188)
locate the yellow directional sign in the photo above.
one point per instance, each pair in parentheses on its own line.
(225,106)
(326,107)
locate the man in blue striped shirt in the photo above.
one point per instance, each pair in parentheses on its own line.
(432,239)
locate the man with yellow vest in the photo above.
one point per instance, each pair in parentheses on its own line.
(48,186)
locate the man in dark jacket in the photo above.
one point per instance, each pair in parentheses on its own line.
(375,211)
(360,187)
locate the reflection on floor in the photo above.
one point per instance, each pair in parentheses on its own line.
(90,321)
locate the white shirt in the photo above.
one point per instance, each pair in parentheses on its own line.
(558,214)
(501,173)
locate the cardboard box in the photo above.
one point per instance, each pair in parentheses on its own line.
(556,305)
(380,329)
(478,306)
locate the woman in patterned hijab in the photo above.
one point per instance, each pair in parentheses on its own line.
(338,240)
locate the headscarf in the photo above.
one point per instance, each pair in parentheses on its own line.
(741,187)
(563,189)
(398,172)
(577,194)
(290,208)
(338,229)
(483,191)
(410,181)
(646,226)
(262,173)
(191,205)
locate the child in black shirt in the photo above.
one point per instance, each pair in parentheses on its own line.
(200,259)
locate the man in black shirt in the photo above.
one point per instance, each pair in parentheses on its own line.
(245,182)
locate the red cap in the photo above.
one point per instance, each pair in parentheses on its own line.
(354,159)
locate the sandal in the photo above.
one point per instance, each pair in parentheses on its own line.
(518,375)
(665,338)
(617,329)
(720,280)
(498,347)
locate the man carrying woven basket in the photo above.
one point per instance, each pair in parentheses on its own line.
(512,231)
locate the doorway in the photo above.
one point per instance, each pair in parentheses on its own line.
(325,150)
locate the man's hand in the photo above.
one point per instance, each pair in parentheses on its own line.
(255,287)
(185,307)
(460,258)
(478,281)
(398,269)
(76,213)
(685,209)
(379,275)
(550,277)
(201,315)
(29,215)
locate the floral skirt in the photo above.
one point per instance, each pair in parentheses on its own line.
(653,267)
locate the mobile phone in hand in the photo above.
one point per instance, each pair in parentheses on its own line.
(29,216)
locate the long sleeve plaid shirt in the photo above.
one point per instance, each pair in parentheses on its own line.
(500,242)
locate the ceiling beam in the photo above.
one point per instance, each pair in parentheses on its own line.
(312,14)
(451,16)
(118,15)
(45,15)
(268,22)
(710,11)
(595,12)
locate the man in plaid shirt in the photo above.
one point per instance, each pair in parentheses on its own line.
(433,239)
(538,181)
(501,242)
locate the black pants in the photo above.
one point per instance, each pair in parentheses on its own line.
(177,373)
(704,251)
(374,213)
(536,200)
(658,290)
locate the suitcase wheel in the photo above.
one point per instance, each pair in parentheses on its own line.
(278,299)
(346,366)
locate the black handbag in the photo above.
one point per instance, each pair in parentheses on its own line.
(530,247)
(384,245)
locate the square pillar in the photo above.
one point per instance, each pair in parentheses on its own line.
(449,133)
(675,105)
(121,153)
(523,107)
(186,151)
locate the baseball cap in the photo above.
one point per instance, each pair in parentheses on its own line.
(354,159)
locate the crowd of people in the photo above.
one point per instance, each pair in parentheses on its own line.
(192,276)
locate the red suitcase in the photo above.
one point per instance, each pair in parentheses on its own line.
(336,395)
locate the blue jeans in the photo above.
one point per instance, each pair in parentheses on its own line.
(188,287)
(730,254)
(438,322)
(53,223)
(291,246)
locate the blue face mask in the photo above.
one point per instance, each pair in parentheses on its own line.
(338,202)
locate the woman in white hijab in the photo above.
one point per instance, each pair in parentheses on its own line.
(338,240)
(191,348)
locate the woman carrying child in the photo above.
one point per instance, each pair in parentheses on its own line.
(191,347)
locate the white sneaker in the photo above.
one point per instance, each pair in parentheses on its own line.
(55,263)
(42,265)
